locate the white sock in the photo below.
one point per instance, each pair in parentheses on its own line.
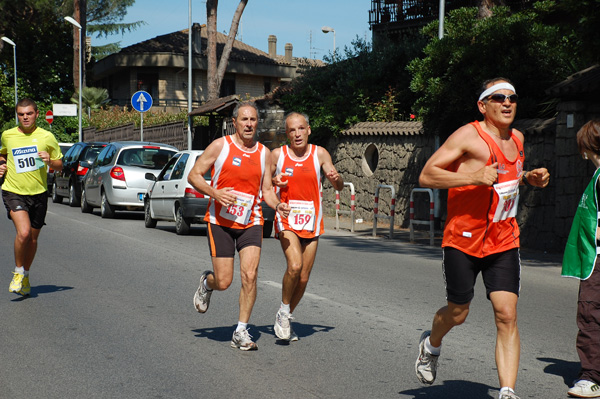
(241,326)
(506,389)
(432,349)
(20,270)
(206,285)
(284,307)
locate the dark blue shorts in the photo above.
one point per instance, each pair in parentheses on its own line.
(500,272)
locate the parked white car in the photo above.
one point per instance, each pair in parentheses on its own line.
(171,198)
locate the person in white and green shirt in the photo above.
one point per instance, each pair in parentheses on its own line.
(579,261)
(26,151)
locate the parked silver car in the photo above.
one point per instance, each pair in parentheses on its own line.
(171,198)
(116,180)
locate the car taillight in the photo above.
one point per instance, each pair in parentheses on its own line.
(117,173)
(191,193)
(81,170)
(50,170)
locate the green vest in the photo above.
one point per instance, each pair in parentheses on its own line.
(580,253)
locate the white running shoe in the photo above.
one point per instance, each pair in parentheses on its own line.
(282,325)
(243,340)
(202,295)
(426,365)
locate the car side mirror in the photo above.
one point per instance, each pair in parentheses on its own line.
(150,176)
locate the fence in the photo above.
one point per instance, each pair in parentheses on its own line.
(174,133)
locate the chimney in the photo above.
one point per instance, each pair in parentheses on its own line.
(288,52)
(272,46)
(196,38)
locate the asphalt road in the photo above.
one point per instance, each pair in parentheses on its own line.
(111,316)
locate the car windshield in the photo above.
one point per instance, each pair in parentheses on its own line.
(151,158)
(90,154)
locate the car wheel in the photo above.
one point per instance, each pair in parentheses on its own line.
(148,221)
(267,228)
(73,196)
(182,225)
(107,211)
(85,207)
(57,199)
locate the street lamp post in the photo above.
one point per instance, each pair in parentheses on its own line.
(7,40)
(327,29)
(76,24)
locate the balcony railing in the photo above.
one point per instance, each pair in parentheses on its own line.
(385,11)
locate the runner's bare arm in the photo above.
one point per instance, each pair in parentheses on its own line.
(330,172)
(268,192)
(277,180)
(202,165)
(464,146)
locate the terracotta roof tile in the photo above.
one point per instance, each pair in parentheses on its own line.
(177,43)
(535,125)
(586,81)
(385,129)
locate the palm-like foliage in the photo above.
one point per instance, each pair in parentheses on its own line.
(91,97)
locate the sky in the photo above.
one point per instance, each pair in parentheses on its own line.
(292,21)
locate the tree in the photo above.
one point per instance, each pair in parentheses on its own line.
(518,46)
(104,18)
(92,98)
(216,73)
(362,83)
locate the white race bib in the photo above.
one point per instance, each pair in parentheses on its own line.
(302,215)
(26,159)
(508,199)
(239,211)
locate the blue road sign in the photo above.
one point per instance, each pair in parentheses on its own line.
(141,101)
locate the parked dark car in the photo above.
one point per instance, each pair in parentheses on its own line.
(76,162)
(116,180)
(64,147)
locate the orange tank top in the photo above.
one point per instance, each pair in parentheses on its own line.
(303,194)
(481,219)
(244,171)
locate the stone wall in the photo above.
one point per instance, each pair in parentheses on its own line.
(399,163)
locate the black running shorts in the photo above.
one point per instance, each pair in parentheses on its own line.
(36,205)
(500,272)
(223,241)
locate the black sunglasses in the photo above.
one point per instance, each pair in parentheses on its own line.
(502,97)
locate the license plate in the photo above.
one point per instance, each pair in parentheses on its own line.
(140,197)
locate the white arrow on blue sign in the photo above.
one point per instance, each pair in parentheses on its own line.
(141,101)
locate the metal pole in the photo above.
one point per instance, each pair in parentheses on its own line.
(80,83)
(16,97)
(78,26)
(141,126)
(334,45)
(7,40)
(189,132)
(441,24)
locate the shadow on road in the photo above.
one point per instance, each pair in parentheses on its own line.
(223,334)
(42,289)
(567,370)
(453,390)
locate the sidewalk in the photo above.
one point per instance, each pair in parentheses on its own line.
(365,230)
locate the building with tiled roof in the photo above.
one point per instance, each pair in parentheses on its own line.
(159,66)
